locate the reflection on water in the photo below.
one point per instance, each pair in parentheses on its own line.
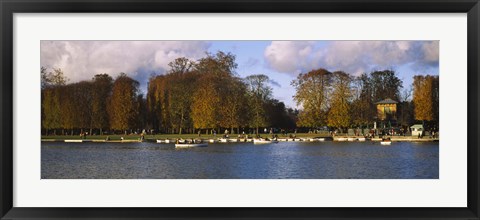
(325,160)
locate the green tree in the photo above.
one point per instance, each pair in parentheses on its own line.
(385,84)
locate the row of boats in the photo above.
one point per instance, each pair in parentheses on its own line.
(181,143)
(384,141)
(254,140)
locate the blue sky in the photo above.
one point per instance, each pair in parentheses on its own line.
(282,61)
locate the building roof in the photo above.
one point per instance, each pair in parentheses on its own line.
(387,101)
(417,126)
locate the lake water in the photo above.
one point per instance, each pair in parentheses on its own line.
(291,160)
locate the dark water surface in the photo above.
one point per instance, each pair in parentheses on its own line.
(297,160)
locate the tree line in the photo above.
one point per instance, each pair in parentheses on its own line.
(207,95)
(204,95)
(339,100)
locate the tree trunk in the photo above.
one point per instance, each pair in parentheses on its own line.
(101,132)
(181,123)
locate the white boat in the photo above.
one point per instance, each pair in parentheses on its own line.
(263,141)
(386,141)
(222,140)
(362,139)
(316,139)
(232,140)
(341,139)
(191,145)
(73,141)
(211,140)
(166,141)
(350,139)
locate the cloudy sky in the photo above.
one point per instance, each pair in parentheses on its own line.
(282,61)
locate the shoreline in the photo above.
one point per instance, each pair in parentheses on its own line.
(247,140)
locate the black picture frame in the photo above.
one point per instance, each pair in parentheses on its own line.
(9,7)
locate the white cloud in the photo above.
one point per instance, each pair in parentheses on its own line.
(351,56)
(288,56)
(81,60)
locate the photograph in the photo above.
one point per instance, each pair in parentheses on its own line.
(240,109)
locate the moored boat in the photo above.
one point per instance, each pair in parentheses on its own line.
(264,141)
(191,145)
(316,139)
(73,141)
(166,141)
(386,141)
(222,140)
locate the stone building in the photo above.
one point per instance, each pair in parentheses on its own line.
(387,110)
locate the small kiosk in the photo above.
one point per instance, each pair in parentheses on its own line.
(417,129)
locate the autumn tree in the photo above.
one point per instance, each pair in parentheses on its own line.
(363,108)
(181,85)
(214,70)
(51,84)
(68,108)
(101,89)
(259,94)
(123,111)
(339,113)
(234,102)
(312,91)
(425,97)
(206,101)
(157,103)
(52,78)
